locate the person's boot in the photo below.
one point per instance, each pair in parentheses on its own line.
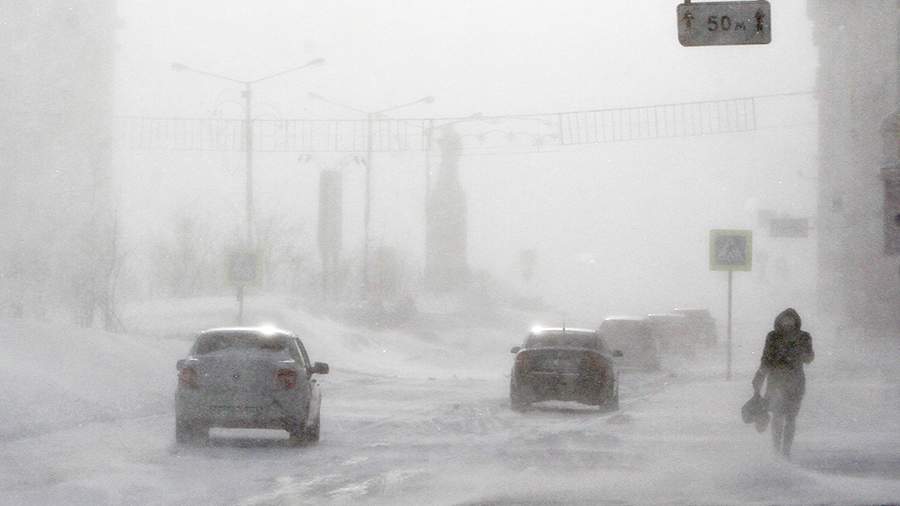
(789,428)
(777,431)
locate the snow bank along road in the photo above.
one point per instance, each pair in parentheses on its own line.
(424,434)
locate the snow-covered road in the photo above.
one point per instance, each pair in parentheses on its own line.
(432,435)
(419,441)
(384,439)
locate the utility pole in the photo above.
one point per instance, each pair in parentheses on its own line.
(248,126)
(248,148)
(368,209)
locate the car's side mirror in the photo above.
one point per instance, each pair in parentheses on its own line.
(179,365)
(320,368)
(618,353)
(515,349)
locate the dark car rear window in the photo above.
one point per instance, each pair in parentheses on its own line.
(209,343)
(560,340)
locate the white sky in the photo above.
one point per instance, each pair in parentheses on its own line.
(490,56)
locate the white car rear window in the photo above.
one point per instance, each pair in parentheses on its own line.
(210,343)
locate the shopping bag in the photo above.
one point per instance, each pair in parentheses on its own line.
(756,411)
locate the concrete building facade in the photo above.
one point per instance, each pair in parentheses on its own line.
(56,97)
(859,284)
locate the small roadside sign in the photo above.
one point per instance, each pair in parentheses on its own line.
(242,268)
(789,227)
(724,23)
(730,250)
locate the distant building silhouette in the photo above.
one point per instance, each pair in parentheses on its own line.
(331,229)
(56,96)
(859,51)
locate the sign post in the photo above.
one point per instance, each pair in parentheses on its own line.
(730,250)
(242,271)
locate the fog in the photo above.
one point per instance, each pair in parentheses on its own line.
(587,210)
(528,165)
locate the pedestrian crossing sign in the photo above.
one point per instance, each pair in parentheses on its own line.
(730,250)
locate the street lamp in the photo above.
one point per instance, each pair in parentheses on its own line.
(248,145)
(370,119)
(248,124)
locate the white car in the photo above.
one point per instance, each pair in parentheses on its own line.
(247,377)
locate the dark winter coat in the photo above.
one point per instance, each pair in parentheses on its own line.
(782,365)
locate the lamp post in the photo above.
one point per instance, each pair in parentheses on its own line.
(248,150)
(248,125)
(367,212)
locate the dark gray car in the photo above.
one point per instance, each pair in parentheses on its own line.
(564,364)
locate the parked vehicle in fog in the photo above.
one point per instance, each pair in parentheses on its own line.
(702,325)
(672,334)
(633,336)
(564,364)
(247,377)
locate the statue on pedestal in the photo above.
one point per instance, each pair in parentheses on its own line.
(446,266)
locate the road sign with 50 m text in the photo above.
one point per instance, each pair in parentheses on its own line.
(724,23)
(730,250)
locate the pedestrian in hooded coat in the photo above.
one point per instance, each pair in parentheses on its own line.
(781,367)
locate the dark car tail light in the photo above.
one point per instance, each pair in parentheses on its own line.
(286,378)
(521,362)
(595,366)
(187,376)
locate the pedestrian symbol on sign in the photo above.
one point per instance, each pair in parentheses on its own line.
(730,250)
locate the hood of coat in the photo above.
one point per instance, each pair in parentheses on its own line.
(787,313)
